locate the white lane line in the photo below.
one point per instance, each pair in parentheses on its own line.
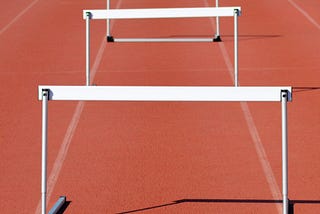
(263,158)
(305,14)
(275,190)
(63,150)
(62,154)
(17,17)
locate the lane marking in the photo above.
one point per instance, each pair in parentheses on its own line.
(63,151)
(263,158)
(305,14)
(17,17)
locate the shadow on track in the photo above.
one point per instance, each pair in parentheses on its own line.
(64,207)
(229,36)
(235,201)
(305,89)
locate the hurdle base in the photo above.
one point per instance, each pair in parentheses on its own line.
(217,39)
(163,39)
(58,205)
(110,39)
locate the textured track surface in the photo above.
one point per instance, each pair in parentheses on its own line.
(169,157)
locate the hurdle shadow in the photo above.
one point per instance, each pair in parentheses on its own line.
(245,37)
(64,207)
(305,88)
(231,201)
(240,37)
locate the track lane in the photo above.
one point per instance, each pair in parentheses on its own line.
(141,71)
(34,50)
(287,54)
(272,60)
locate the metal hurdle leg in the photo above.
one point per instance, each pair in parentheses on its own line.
(236,13)
(108,20)
(284,100)
(88,17)
(45,98)
(109,37)
(217,35)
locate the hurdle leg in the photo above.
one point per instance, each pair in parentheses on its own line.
(108,20)
(284,99)
(88,17)
(236,12)
(217,35)
(45,98)
(109,37)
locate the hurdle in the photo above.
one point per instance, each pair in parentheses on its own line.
(216,38)
(157,13)
(166,93)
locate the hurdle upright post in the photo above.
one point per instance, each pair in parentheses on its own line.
(88,17)
(236,13)
(217,37)
(108,20)
(284,100)
(45,98)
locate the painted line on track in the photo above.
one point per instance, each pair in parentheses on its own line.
(265,164)
(17,17)
(63,151)
(305,14)
(263,158)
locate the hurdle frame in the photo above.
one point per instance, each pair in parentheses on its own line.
(158,13)
(166,93)
(216,38)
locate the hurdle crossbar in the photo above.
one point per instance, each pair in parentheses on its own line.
(157,13)
(196,12)
(165,93)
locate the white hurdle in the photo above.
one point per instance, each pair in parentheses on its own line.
(156,13)
(216,38)
(166,93)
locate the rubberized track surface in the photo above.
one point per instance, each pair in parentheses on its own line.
(159,157)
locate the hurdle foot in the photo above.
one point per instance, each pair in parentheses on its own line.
(57,207)
(110,39)
(217,39)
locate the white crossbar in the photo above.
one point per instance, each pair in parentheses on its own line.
(193,12)
(164,93)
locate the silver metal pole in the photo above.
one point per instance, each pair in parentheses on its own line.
(163,40)
(284,100)
(217,23)
(236,47)
(45,98)
(108,20)
(88,48)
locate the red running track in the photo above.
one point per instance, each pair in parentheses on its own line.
(159,157)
